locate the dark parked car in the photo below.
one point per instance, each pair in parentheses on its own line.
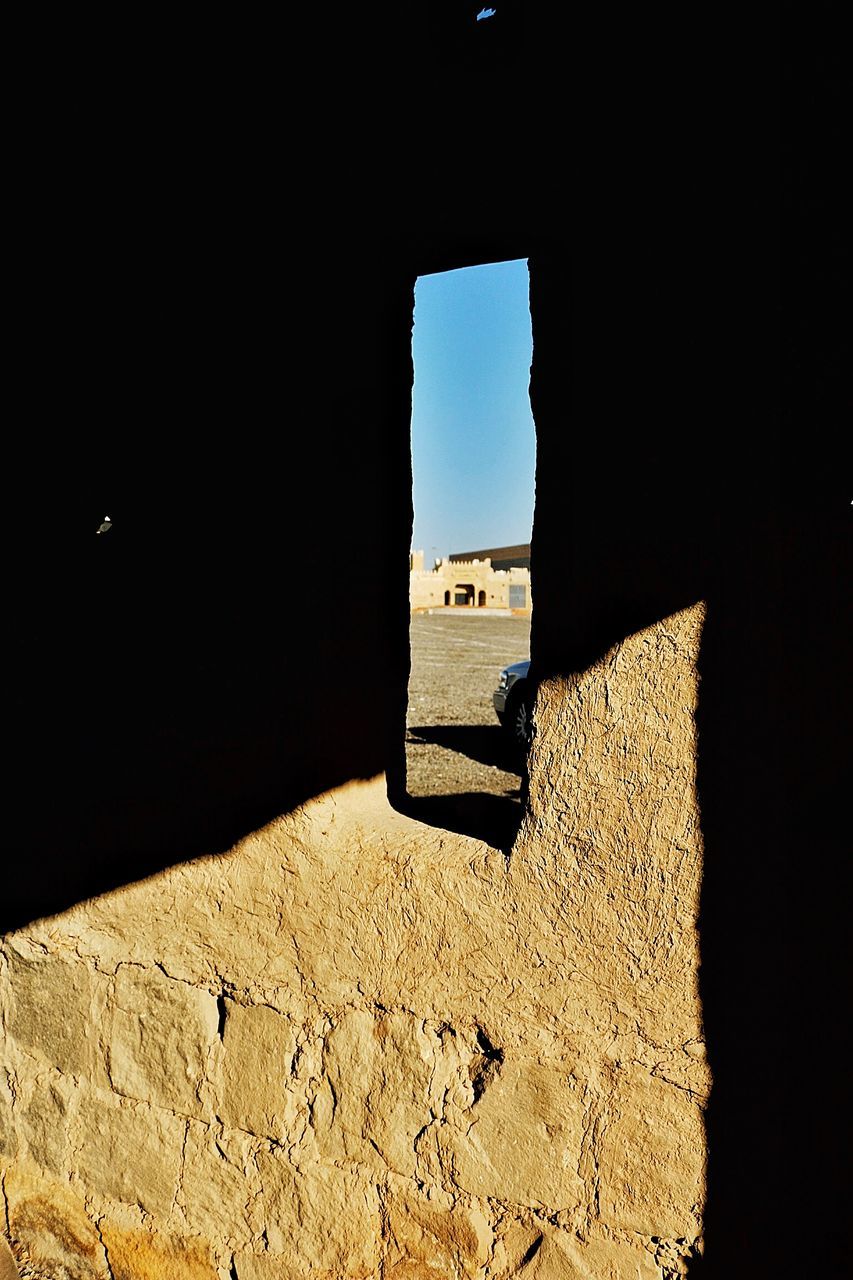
(513,701)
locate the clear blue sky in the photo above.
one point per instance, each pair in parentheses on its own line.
(473,445)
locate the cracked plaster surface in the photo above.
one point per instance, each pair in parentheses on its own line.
(357,1046)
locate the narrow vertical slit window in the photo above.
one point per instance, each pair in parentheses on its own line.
(471,593)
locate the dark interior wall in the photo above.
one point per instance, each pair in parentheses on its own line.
(221,654)
(220,232)
(219,244)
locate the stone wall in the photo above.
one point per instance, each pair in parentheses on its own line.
(212,342)
(356,1046)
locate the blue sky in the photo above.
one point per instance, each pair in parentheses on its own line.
(473,445)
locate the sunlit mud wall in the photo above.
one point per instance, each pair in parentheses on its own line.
(356,1046)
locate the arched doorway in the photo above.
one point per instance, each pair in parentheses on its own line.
(464,593)
(447,597)
(481,599)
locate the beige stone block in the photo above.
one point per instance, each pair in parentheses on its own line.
(524,1140)
(271,1266)
(258,1045)
(8,1266)
(162,1033)
(50,1230)
(44,1123)
(8,1133)
(338,1110)
(452,1242)
(143,1255)
(652,1159)
(264,1266)
(220,1187)
(398,1103)
(384,1080)
(557,1256)
(321,1218)
(516,1237)
(408,1269)
(129,1151)
(52,1009)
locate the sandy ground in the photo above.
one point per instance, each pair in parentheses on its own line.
(459,764)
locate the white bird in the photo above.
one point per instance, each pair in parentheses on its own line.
(105,525)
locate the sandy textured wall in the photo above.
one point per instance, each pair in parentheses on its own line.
(357,1046)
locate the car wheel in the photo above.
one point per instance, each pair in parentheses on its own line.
(517,718)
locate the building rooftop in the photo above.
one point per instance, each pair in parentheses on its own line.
(514,557)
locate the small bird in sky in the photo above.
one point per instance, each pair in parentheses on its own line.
(105,525)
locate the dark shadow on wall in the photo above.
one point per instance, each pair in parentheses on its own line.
(702,497)
(774,909)
(180,680)
(237,399)
(161,700)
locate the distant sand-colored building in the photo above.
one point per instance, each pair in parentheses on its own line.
(472,580)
